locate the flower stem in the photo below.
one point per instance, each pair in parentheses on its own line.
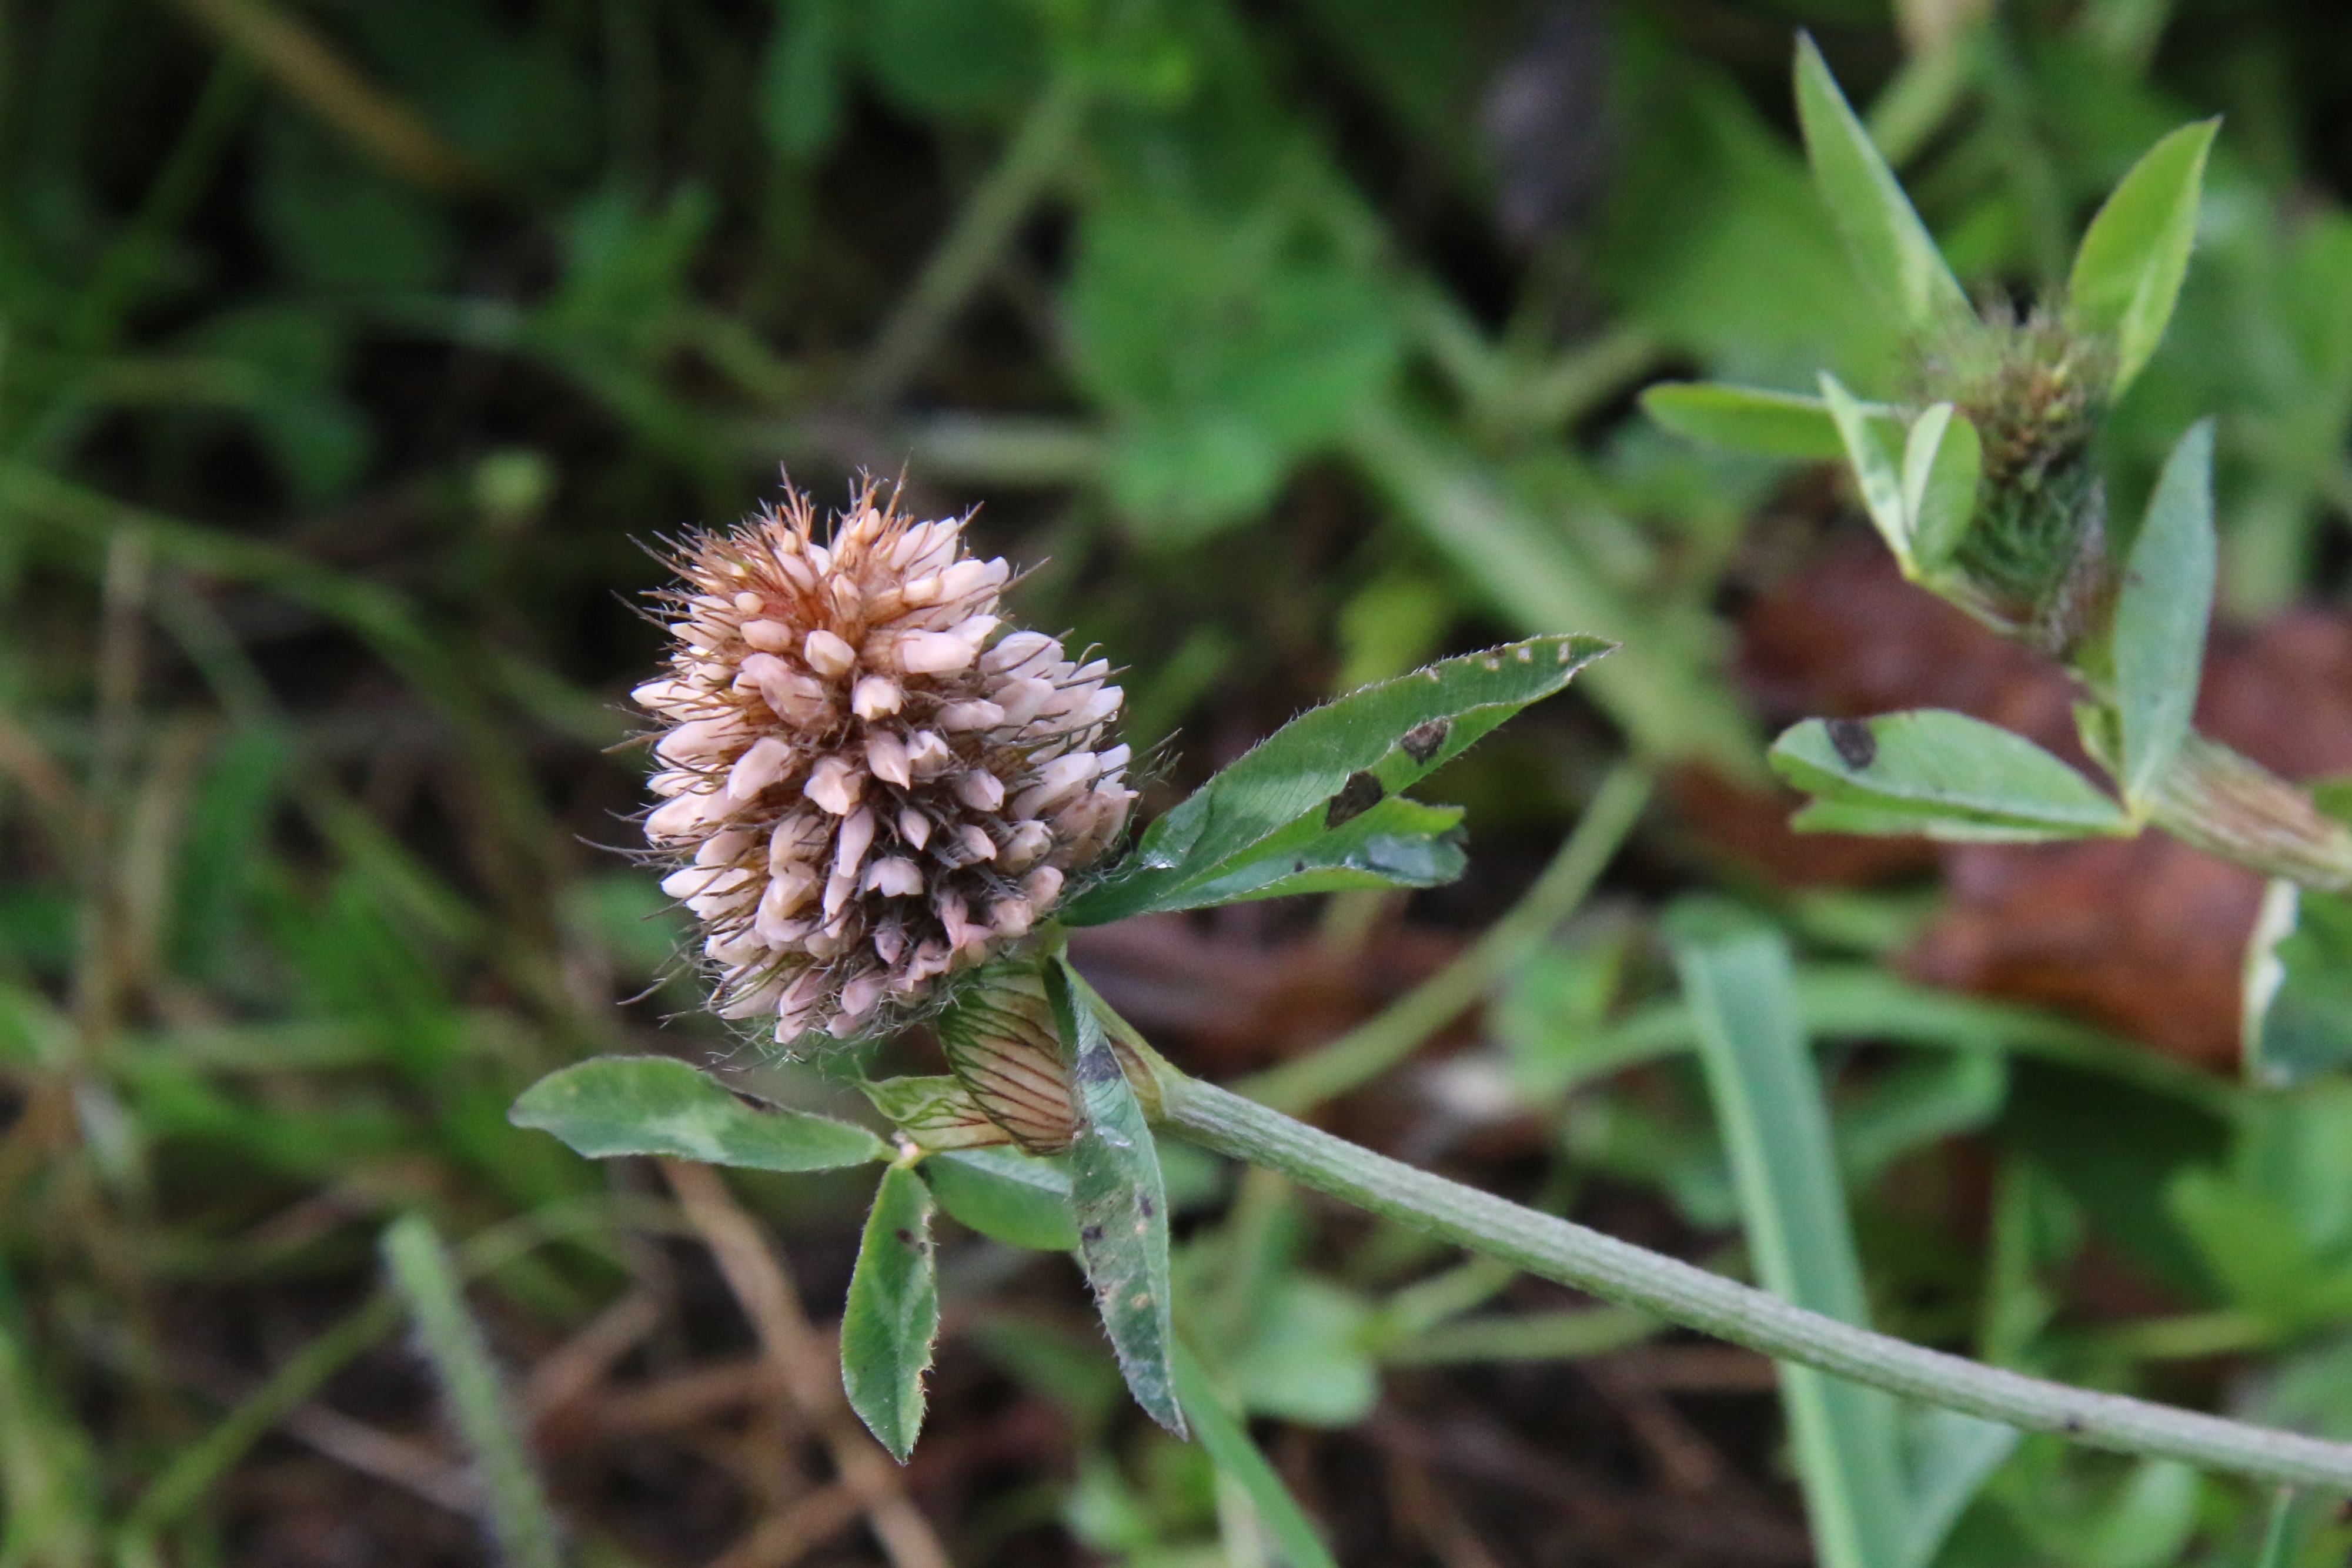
(1667,1287)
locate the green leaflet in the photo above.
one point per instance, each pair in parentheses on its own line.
(1937,773)
(1890,246)
(1942,460)
(1120,1205)
(1876,450)
(893,1312)
(1399,843)
(2161,613)
(1007,1197)
(1222,1433)
(2127,272)
(1750,419)
(658,1105)
(1259,820)
(2298,995)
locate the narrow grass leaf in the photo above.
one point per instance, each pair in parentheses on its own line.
(1942,460)
(1329,765)
(1941,774)
(1952,1457)
(1890,246)
(1776,1130)
(1006,1196)
(2279,1531)
(48,1467)
(2149,1521)
(1748,419)
(1874,449)
(892,1315)
(1293,1534)
(2127,272)
(658,1105)
(2161,614)
(1120,1204)
(426,1277)
(2298,987)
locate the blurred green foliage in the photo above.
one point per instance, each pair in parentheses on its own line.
(347,351)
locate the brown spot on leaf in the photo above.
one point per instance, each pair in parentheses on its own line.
(1359,795)
(1856,746)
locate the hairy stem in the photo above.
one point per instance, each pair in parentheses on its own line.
(1665,1288)
(2227,806)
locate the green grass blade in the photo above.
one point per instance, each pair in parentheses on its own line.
(197,1468)
(48,1467)
(2279,1531)
(893,1312)
(1890,246)
(1952,1457)
(426,1277)
(1220,1432)
(1776,1130)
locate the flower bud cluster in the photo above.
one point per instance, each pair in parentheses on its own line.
(867,783)
(2033,559)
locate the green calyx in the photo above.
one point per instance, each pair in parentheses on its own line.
(2033,557)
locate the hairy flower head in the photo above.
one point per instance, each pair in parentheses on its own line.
(867,783)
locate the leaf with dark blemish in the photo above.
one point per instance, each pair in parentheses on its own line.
(1856,746)
(1359,795)
(1120,1205)
(893,1312)
(1421,741)
(1330,774)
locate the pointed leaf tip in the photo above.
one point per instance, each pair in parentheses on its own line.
(892,1315)
(2129,270)
(1890,246)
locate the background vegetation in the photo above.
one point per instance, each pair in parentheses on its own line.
(349,352)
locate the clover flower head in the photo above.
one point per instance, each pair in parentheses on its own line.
(867,782)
